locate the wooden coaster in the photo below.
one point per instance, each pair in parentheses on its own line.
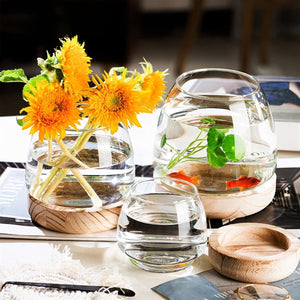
(254,252)
(70,220)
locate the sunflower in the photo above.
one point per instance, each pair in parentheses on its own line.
(51,110)
(155,85)
(114,100)
(75,65)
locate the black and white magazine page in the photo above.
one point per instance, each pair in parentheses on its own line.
(284,211)
(15,221)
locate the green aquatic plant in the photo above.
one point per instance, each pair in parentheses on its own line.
(220,146)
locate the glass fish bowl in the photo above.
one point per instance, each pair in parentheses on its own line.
(216,130)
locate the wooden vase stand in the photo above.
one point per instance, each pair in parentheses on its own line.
(254,252)
(74,220)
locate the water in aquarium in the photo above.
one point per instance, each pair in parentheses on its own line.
(181,128)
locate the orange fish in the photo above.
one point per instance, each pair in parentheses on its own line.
(182,175)
(242,182)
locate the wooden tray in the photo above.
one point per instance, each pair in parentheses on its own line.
(254,252)
(70,220)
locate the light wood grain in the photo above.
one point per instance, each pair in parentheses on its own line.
(229,205)
(254,252)
(70,220)
(236,205)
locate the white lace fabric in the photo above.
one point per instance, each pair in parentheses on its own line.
(58,267)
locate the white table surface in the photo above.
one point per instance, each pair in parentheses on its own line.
(13,147)
(14,141)
(93,254)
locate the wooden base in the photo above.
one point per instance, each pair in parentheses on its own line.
(254,252)
(236,205)
(70,220)
(228,205)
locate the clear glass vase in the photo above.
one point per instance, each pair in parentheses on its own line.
(216,130)
(162,224)
(88,168)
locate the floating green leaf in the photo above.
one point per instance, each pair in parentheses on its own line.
(208,120)
(214,137)
(222,128)
(234,147)
(220,146)
(216,157)
(16,75)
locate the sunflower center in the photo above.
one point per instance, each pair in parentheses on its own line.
(58,106)
(115,102)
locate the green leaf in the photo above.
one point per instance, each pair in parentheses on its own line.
(51,67)
(20,121)
(214,137)
(33,82)
(208,120)
(117,70)
(234,147)
(16,75)
(163,140)
(222,128)
(49,64)
(216,157)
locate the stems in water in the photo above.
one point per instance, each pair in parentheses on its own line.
(90,191)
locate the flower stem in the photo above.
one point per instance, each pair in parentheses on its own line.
(90,191)
(58,177)
(44,189)
(70,155)
(49,151)
(187,154)
(79,144)
(45,183)
(37,177)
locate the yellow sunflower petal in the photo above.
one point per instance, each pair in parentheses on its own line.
(51,111)
(114,100)
(75,65)
(155,85)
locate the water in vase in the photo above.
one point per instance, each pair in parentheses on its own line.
(107,167)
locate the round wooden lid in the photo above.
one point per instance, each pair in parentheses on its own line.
(254,252)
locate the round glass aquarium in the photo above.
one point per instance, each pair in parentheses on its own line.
(216,131)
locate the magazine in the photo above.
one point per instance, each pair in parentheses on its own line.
(284,211)
(213,286)
(15,221)
(283,95)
